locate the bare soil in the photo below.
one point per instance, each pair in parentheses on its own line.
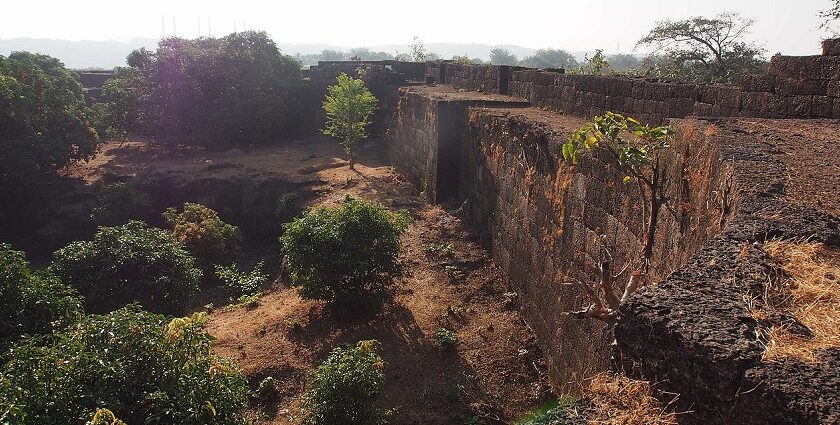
(497,371)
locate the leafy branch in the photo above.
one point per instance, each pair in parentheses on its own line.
(635,150)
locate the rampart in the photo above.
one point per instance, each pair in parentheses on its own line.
(486,138)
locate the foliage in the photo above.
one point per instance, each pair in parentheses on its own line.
(623,61)
(141,367)
(346,255)
(707,49)
(33,303)
(417,51)
(345,388)
(267,389)
(596,65)
(287,207)
(44,123)
(349,106)
(119,202)
(446,339)
(212,92)
(241,282)
(634,148)
(499,56)
(132,262)
(564,411)
(830,15)
(550,58)
(204,234)
(466,60)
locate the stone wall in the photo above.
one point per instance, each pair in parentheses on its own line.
(546,223)
(696,333)
(794,87)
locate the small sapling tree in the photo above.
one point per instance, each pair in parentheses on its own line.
(635,149)
(349,106)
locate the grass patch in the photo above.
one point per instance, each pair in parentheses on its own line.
(810,292)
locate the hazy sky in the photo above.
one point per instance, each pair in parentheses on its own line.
(787,26)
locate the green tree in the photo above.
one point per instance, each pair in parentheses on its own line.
(635,149)
(707,49)
(44,123)
(500,56)
(33,303)
(119,202)
(596,65)
(346,256)
(128,263)
(144,368)
(345,388)
(349,107)
(211,92)
(550,58)
(466,60)
(204,234)
(623,62)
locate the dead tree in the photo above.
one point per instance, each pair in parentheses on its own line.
(635,150)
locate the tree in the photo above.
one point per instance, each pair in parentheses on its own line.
(635,150)
(349,106)
(44,122)
(128,263)
(550,58)
(332,55)
(417,51)
(345,388)
(200,230)
(830,15)
(596,65)
(623,61)
(211,92)
(346,256)
(365,54)
(499,56)
(707,49)
(466,60)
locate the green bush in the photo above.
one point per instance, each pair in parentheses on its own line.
(132,262)
(142,367)
(33,303)
(241,282)
(120,202)
(347,255)
(446,339)
(345,388)
(204,234)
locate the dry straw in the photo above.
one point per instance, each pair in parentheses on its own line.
(810,292)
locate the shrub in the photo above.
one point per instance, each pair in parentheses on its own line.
(141,367)
(345,388)
(347,255)
(120,202)
(33,303)
(204,234)
(240,282)
(446,339)
(132,262)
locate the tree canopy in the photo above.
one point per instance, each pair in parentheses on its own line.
(706,49)
(349,106)
(550,58)
(212,92)
(44,122)
(499,56)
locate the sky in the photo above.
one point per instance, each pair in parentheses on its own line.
(785,26)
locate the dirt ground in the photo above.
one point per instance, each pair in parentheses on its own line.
(497,371)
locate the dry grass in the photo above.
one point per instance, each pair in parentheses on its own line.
(811,294)
(618,400)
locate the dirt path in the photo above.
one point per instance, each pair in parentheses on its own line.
(497,370)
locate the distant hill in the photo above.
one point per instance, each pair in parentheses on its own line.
(109,54)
